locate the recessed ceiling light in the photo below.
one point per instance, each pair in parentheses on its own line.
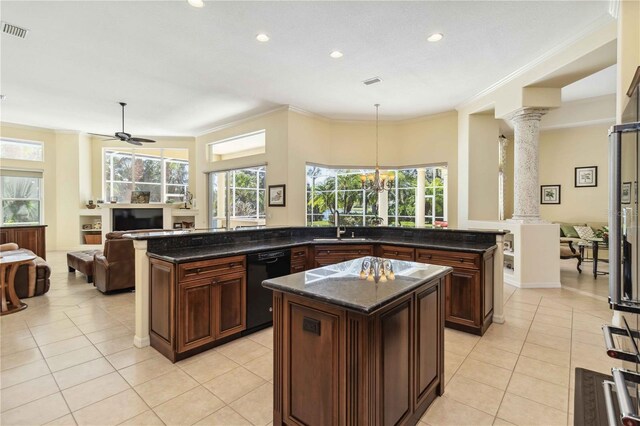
(262,37)
(196,3)
(435,37)
(336,54)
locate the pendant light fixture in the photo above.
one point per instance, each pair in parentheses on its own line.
(378,182)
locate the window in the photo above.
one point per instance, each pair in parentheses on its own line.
(237,197)
(162,172)
(21,194)
(13,149)
(330,190)
(238,146)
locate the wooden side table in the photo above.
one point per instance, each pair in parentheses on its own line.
(8,267)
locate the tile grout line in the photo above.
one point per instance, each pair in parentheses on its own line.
(519,355)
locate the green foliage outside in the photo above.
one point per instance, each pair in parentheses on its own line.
(331,189)
(20,200)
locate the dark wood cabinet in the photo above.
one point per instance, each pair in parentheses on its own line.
(299,259)
(195,305)
(195,314)
(27,237)
(330,254)
(468,290)
(396,252)
(384,368)
(230,304)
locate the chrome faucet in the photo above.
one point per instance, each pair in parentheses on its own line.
(339,229)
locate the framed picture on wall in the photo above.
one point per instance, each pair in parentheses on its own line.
(625,193)
(277,195)
(549,194)
(586,176)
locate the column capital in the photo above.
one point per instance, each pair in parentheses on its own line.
(527,114)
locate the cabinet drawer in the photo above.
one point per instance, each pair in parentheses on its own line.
(300,267)
(455,259)
(299,255)
(341,251)
(209,268)
(397,252)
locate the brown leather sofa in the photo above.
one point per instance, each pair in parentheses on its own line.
(38,266)
(114,268)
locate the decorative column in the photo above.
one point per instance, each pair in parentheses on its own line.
(502,177)
(141,338)
(526,189)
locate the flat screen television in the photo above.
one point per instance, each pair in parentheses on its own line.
(132,219)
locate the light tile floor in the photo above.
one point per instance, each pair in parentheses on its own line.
(69,359)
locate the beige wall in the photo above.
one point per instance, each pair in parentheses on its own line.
(276,126)
(560,152)
(628,51)
(48,166)
(295,139)
(484,130)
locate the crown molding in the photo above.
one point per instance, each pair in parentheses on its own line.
(308,113)
(607,120)
(29,127)
(242,120)
(595,25)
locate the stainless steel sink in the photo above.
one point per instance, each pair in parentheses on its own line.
(339,239)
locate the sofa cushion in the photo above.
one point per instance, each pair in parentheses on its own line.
(585,232)
(568,230)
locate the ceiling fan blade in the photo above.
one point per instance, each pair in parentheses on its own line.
(134,142)
(143,140)
(104,136)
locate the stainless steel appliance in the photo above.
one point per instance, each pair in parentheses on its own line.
(624,236)
(262,266)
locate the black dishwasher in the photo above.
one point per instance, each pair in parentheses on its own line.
(262,266)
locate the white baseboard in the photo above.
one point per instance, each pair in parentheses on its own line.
(141,342)
(518,284)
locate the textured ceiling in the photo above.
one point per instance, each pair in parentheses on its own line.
(184,70)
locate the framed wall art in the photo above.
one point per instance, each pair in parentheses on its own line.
(550,194)
(586,176)
(277,195)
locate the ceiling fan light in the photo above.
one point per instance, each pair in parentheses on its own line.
(262,38)
(336,54)
(196,3)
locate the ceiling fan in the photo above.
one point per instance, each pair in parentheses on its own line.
(124,136)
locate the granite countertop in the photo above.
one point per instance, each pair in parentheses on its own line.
(341,285)
(190,254)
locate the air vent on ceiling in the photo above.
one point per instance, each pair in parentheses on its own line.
(371,81)
(14,30)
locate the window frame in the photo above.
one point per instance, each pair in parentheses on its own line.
(33,174)
(230,194)
(134,154)
(394,218)
(40,144)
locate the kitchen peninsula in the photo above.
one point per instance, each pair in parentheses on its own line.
(372,348)
(184,278)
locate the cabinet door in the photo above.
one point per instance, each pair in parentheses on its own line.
(196,314)
(230,304)
(30,239)
(427,352)
(6,236)
(463,298)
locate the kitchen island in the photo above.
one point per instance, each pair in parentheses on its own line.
(348,350)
